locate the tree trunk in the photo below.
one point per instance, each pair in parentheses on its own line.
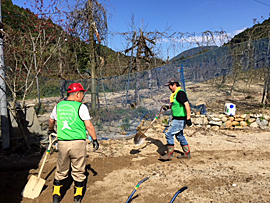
(36,69)
(266,92)
(92,55)
(266,96)
(20,119)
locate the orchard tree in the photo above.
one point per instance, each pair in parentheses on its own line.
(144,54)
(145,47)
(88,21)
(28,50)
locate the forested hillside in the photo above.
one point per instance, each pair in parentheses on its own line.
(192,52)
(58,52)
(258,31)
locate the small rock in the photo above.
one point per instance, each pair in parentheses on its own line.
(239,119)
(228,124)
(251,120)
(238,127)
(217,123)
(235,123)
(224,119)
(264,127)
(215,128)
(262,122)
(243,123)
(231,118)
(254,125)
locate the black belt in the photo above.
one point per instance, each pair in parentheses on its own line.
(178,118)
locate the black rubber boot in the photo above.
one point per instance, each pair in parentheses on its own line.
(56,191)
(186,155)
(169,154)
(78,190)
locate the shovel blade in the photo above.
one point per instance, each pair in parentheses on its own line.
(33,187)
(139,138)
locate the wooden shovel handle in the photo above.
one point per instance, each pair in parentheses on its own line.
(160,112)
(47,152)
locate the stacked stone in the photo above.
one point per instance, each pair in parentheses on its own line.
(222,121)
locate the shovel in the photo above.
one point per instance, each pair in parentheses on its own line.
(35,184)
(140,136)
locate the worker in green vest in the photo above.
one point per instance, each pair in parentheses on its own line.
(73,119)
(181,116)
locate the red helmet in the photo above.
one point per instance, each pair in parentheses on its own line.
(75,87)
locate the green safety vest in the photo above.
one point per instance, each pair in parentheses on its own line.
(69,124)
(178,109)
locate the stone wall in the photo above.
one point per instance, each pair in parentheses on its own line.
(222,121)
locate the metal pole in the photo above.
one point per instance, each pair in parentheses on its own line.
(130,64)
(3,99)
(183,77)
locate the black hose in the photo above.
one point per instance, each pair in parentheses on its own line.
(137,186)
(179,191)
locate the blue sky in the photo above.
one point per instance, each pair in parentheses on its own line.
(185,16)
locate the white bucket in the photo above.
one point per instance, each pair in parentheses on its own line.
(230,109)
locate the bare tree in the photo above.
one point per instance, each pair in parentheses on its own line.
(31,49)
(88,21)
(147,41)
(144,53)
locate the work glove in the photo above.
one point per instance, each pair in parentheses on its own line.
(189,123)
(51,131)
(95,144)
(165,107)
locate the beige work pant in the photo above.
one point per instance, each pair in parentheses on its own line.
(71,154)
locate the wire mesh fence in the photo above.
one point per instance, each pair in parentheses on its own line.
(124,100)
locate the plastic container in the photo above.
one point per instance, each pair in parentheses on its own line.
(230,109)
(88,136)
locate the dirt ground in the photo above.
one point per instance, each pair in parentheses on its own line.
(226,166)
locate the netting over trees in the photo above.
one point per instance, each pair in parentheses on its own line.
(118,109)
(43,58)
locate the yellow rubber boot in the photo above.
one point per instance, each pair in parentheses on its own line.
(57,191)
(78,191)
